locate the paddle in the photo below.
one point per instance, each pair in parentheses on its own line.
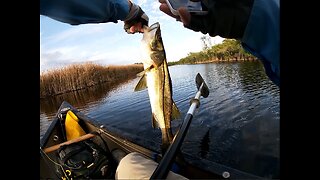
(81,138)
(163,167)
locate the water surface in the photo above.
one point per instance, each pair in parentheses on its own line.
(236,125)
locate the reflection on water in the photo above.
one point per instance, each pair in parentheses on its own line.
(236,125)
(79,98)
(242,112)
(82,99)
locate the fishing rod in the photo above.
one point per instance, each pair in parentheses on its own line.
(163,167)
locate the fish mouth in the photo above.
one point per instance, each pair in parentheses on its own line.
(153,27)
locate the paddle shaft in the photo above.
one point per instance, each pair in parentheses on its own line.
(81,138)
(162,169)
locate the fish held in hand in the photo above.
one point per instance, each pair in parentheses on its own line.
(156,78)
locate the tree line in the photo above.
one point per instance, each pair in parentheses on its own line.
(81,76)
(229,50)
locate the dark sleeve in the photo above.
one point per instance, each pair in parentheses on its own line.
(76,12)
(227,19)
(262,36)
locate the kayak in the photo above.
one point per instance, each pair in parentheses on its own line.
(56,144)
(55,139)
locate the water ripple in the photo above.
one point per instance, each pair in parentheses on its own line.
(236,125)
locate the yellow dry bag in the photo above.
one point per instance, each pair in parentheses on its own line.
(73,129)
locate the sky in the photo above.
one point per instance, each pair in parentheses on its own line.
(63,44)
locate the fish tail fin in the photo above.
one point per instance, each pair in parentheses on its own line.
(167,138)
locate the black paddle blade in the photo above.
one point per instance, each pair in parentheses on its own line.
(205,89)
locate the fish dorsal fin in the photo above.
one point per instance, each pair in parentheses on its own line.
(154,122)
(142,84)
(175,112)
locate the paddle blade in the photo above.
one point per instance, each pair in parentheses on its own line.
(205,89)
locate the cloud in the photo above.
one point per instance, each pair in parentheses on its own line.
(106,50)
(107,43)
(50,61)
(140,2)
(75,33)
(216,40)
(84,43)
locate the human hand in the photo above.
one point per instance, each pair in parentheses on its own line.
(184,15)
(136,19)
(225,18)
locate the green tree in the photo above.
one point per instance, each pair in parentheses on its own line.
(228,50)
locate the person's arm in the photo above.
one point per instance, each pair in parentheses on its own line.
(77,12)
(254,22)
(262,36)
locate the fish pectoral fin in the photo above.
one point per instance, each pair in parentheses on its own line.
(175,112)
(154,122)
(142,84)
(142,73)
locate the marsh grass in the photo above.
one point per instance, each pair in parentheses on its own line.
(80,76)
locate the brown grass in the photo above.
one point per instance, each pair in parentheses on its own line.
(79,76)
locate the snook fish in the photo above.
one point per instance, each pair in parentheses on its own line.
(157,79)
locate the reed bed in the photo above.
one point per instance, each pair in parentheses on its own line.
(79,76)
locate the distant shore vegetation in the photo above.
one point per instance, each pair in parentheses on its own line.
(80,76)
(230,50)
